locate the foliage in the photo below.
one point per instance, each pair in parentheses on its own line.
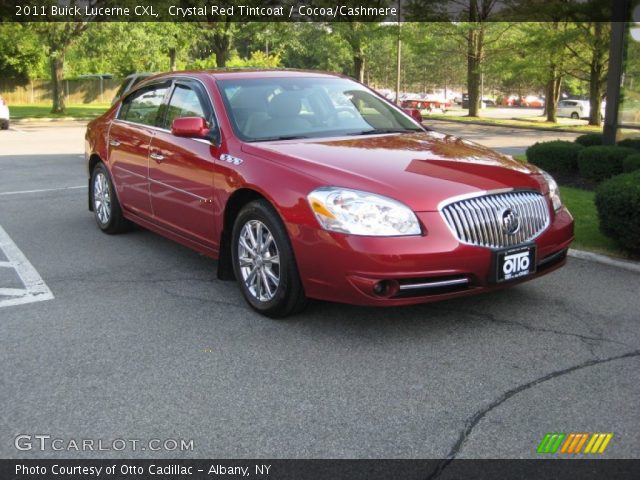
(556,157)
(601,162)
(589,139)
(257,59)
(618,204)
(586,230)
(630,142)
(631,163)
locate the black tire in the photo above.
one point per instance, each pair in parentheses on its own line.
(575,116)
(288,295)
(4,125)
(114,222)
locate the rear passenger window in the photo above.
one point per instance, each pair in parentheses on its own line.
(143,106)
(184,103)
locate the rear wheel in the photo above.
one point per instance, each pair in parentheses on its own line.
(263,262)
(106,208)
(575,115)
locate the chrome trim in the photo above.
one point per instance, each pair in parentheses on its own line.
(439,283)
(475,219)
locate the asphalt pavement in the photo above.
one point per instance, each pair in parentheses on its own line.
(141,341)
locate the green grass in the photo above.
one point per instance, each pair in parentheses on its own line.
(588,236)
(44,111)
(582,206)
(516,122)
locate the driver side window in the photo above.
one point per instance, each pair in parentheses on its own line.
(184,103)
(143,106)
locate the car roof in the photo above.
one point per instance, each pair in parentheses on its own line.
(235,74)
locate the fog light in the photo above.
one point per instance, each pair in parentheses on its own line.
(386,288)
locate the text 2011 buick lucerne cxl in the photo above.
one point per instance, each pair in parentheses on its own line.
(310,185)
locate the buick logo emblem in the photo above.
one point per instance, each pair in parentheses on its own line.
(510,221)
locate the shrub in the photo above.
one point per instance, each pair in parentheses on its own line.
(602,162)
(631,163)
(556,157)
(630,143)
(589,139)
(618,204)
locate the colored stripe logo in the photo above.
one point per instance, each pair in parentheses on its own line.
(573,443)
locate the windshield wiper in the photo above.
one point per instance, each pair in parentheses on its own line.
(283,137)
(376,131)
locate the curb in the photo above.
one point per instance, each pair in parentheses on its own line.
(520,127)
(49,119)
(603,259)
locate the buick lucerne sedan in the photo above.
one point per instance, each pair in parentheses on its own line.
(310,185)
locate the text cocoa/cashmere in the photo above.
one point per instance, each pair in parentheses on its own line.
(151,469)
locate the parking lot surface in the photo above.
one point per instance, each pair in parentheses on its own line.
(139,340)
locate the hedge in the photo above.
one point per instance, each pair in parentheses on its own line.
(590,139)
(601,162)
(631,163)
(630,143)
(556,157)
(618,204)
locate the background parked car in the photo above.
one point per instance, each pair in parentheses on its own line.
(574,109)
(4,115)
(533,101)
(129,82)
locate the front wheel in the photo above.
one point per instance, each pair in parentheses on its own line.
(263,262)
(106,208)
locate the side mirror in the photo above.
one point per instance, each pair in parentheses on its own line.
(190,127)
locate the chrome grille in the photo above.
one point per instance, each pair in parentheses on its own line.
(478,220)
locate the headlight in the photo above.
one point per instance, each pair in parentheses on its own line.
(554,191)
(361,213)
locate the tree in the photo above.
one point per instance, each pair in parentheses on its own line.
(57,37)
(21,57)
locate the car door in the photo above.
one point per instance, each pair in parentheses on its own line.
(181,170)
(129,139)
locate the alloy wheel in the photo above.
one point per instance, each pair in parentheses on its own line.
(259,260)
(102,198)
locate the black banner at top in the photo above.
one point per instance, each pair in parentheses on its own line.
(307,10)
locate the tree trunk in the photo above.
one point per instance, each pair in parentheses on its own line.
(173,57)
(57,73)
(595,96)
(358,66)
(474,52)
(552,94)
(596,74)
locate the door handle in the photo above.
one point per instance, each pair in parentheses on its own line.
(157,157)
(114,143)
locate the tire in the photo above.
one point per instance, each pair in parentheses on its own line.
(4,124)
(105,204)
(575,116)
(272,288)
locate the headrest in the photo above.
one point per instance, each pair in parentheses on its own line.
(284,105)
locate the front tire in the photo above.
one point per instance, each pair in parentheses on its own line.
(106,208)
(4,125)
(263,262)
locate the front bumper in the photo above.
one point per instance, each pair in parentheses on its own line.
(432,267)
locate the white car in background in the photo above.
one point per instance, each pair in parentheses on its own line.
(574,109)
(4,115)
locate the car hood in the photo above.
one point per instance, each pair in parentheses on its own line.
(419,169)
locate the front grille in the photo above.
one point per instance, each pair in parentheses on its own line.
(479,220)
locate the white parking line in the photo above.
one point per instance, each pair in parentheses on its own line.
(44,190)
(35,289)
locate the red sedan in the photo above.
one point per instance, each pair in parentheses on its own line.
(310,185)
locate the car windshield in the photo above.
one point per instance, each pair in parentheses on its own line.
(304,107)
